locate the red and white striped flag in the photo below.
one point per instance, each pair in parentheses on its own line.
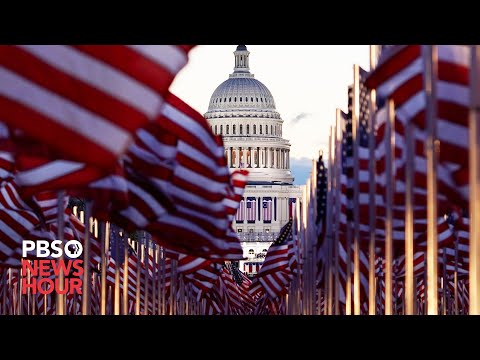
(86,101)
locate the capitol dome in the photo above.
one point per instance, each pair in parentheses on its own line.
(242,110)
(241,93)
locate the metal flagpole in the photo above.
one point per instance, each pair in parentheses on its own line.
(116,235)
(389,184)
(163,259)
(348,286)
(19,288)
(409,221)
(125,273)
(146,246)
(455,276)
(139,280)
(87,276)
(444,282)
(328,294)
(356,214)
(431,147)
(338,206)
(474,167)
(159,280)
(104,244)
(154,278)
(371,192)
(60,306)
(425,284)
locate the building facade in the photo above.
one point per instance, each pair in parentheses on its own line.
(242,110)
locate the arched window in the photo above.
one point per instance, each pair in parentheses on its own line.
(248,129)
(235,100)
(224,99)
(241,129)
(254,129)
(266,129)
(251,99)
(261,99)
(227,129)
(257,99)
(220,99)
(216,130)
(229,99)
(233,129)
(260,129)
(221,129)
(240,99)
(251,251)
(271,129)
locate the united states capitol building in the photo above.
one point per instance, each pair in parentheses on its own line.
(242,110)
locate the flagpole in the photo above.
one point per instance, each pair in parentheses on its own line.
(338,205)
(328,294)
(87,277)
(159,280)
(455,276)
(139,280)
(126,274)
(389,163)
(430,62)
(409,220)
(146,245)
(60,306)
(103,266)
(154,277)
(356,179)
(163,266)
(19,287)
(474,201)
(115,233)
(445,282)
(371,192)
(173,287)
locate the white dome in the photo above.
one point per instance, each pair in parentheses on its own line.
(245,93)
(242,110)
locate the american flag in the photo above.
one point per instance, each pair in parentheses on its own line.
(240,216)
(275,274)
(399,76)
(18,220)
(267,209)
(251,267)
(62,94)
(292,202)
(251,209)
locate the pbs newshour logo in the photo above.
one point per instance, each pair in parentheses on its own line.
(44,248)
(43,259)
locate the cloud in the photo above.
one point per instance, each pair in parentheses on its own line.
(299,117)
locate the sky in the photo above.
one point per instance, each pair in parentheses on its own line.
(308,83)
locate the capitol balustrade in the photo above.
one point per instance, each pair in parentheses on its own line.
(265,138)
(257,236)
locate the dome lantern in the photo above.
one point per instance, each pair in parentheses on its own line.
(241,60)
